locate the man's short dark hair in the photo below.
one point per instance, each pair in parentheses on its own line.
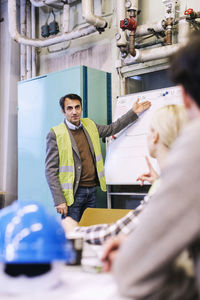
(185,67)
(71,97)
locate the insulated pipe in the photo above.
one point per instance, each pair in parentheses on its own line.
(88,14)
(151,54)
(143,29)
(23,33)
(132,5)
(33,37)
(28,48)
(183,25)
(157,53)
(133,13)
(121,15)
(65,23)
(37,42)
(42,3)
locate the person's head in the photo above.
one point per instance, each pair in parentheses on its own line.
(185,71)
(71,105)
(31,240)
(165,126)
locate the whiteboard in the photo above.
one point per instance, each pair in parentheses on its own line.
(125,154)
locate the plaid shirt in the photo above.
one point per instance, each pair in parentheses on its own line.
(98,234)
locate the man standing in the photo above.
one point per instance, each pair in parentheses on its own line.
(74,164)
(147,265)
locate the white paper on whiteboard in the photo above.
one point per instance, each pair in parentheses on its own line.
(125,155)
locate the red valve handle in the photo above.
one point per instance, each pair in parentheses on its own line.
(188,11)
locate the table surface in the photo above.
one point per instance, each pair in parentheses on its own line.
(71,282)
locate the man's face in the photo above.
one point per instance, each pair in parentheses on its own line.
(72,111)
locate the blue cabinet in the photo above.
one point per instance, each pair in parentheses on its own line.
(39,110)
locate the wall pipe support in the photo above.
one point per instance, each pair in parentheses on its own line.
(88,14)
(38,42)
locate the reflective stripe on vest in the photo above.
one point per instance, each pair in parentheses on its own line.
(66,162)
(91,128)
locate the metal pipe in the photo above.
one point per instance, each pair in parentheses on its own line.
(23,33)
(169,31)
(88,14)
(133,5)
(65,23)
(144,29)
(28,48)
(37,42)
(52,3)
(151,54)
(183,25)
(133,13)
(121,15)
(33,37)
(132,43)
(149,44)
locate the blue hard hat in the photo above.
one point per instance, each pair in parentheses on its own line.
(29,234)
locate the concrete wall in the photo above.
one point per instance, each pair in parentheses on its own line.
(9,74)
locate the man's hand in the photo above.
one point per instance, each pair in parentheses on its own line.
(62,209)
(140,107)
(151,176)
(111,251)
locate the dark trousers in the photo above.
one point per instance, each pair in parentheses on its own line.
(84,197)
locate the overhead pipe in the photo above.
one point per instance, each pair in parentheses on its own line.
(130,23)
(151,54)
(51,3)
(121,15)
(132,10)
(144,29)
(28,48)
(183,25)
(88,14)
(65,22)
(33,37)
(168,31)
(38,42)
(157,53)
(23,33)
(149,44)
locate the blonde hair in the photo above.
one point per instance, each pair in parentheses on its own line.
(168,122)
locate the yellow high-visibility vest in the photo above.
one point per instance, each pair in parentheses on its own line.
(66,160)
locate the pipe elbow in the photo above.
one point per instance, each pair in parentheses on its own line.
(133,59)
(95,20)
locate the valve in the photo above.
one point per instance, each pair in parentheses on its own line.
(188,11)
(128,23)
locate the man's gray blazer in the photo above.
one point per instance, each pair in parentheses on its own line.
(52,155)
